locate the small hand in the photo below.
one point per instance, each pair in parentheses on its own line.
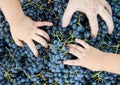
(88,56)
(27,30)
(91,8)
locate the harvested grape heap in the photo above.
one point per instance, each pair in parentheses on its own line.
(18,66)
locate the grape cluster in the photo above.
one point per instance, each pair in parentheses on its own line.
(18,66)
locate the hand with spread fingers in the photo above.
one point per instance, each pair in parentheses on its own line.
(88,56)
(27,30)
(92,58)
(22,27)
(91,8)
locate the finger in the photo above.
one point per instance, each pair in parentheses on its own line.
(42,33)
(107,7)
(76,47)
(68,15)
(32,47)
(43,23)
(107,18)
(93,24)
(83,43)
(40,40)
(75,52)
(72,62)
(19,43)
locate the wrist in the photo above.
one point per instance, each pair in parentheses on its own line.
(112,63)
(17,20)
(104,61)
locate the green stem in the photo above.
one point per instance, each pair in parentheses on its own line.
(11,54)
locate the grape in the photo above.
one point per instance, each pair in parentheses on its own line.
(18,66)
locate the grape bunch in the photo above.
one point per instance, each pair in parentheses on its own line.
(18,66)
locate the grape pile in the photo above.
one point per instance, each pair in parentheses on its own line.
(18,66)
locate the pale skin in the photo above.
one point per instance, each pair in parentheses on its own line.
(91,8)
(24,29)
(92,58)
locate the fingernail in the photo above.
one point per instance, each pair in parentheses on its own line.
(63,62)
(76,39)
(94,36)
(46,46)
(63,25)
(22,46)
(110,32)
(67,45)
(49,40)
(51,23)
(36,55)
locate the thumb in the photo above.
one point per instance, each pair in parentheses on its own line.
(68,14)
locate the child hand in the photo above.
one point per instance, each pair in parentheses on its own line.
(88,56)
(91,8)
(27,30)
